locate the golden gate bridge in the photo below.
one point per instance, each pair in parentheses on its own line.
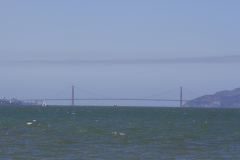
(106,98)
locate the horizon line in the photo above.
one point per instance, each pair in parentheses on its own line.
(196,60)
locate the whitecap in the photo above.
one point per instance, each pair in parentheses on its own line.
(29,123)
(122,134)
(34,120)
(73,113)
(114,132)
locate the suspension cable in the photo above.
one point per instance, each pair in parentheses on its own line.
(93,93)
(58,93)
(191,92)
(161,93)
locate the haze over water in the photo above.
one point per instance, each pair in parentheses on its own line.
(64,132)
(118,48)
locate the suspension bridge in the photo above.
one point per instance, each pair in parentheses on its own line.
(106,98)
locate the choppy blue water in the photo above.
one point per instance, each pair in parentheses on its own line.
(64,132)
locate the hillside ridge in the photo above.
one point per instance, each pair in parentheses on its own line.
(223,99)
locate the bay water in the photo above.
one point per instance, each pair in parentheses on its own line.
(103,132)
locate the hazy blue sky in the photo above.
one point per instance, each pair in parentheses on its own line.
(119,48)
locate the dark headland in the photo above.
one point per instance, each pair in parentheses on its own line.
(222,99)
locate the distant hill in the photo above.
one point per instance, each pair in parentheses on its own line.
(223,99)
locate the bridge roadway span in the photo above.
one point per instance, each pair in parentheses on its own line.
(125,99)
(104,99)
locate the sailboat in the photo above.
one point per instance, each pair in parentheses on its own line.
(44,103)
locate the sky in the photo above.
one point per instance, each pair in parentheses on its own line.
(122,49)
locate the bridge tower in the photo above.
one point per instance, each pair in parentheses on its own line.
(72,95)
(180,96)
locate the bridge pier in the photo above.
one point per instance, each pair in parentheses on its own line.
(72,95)
(180,96)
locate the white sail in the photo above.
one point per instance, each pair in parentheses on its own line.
(44,103)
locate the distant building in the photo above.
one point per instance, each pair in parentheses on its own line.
(216,103)
(14,101)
